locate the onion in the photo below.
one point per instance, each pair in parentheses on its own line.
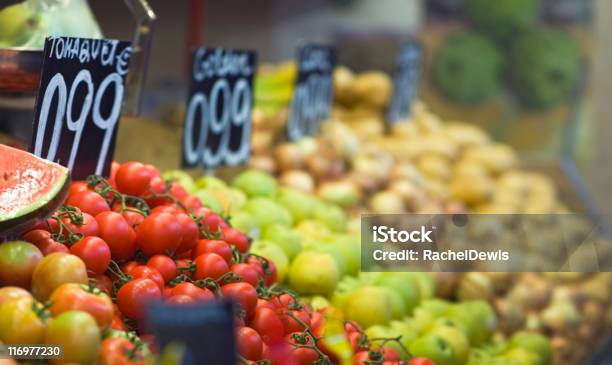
(413,197)
(299,180)
(288,156)
(264,163)
(261,142)
(387,202)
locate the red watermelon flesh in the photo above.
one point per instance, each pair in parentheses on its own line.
(30,189)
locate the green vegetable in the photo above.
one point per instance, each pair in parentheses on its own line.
(502,19)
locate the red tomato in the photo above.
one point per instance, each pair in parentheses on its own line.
(212,222)
(184,266)
(180,300)
(279,352)
(117,323)
(177,191)
(244,293)
(361,357)
(165,265)
(247,272)
(210,265)
(263,303)
(89,202)
(133,218)
(159,233)
(236,238)
(133,178)
(271,276)
(269,325)
(89,226)
(390,354)
(192,202)
(316,320)
(77,186)
(304,356)
(193,291)
(352,326)
(250,345)
(167,292)
(191,232)
(169,208)
(118,234)
(157,186)
(291,325)
(221,248)
(421,361)
(127,267)
(94,252)
(146,272)
(134,296)
(38,237)
(120,351)
(354,338)
(52,247)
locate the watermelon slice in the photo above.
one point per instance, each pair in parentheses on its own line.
(30,189)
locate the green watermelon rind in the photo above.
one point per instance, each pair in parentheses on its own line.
(33,214)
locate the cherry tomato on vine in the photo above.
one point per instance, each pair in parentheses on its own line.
(293,325)
(94,252)
(88,202)
(146,272)
(78,297)
(247,272)
(120,351)
(133,178)
(89,226)
(159,233)
(180,300)
(236,238)
(133,218)
(77,186)
(191,232)
(221,248)
(193,291)
(192,202)
(243,293)
(421,361)
(157,186)
(177,191)
(210,265)
(249,343)
(117,323)
(185,267)
(304,356)
(118,234)
(169,208)
(165,265)
(268,323)
(134,295)
(104,283)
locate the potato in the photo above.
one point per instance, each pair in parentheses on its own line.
(386,202)
(496,158)
(435,166)
(472,188)
(464,134)
(373,88)
(343,79)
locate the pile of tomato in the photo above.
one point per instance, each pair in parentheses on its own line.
(83,277)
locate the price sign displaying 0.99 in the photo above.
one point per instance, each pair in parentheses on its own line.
(312,98)
(218,118)
(79,102)
(405,81)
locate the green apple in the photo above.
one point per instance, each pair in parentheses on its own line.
(209,200)
(369,305)
(255,183)
(317,246)
(272,252)
(433,347)
(535,343)
(350,249)
(457,339)
(477,317)
(408,290)
(314,273)
(311,229)
(182,178)
(284,237)
(332,216)
(300,205)
(405,328)
(210,182)
(343,292)
(521,356)
(18,23)
(266,212)
(319,302)
(426,283)
(245,222)
(398,309)
(230,199)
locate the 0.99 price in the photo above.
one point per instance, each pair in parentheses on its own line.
(310,105)
(224,125)
(67,102)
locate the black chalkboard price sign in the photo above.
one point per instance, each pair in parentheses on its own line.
(312,98)
(79,103)
(405,81)
(218,118)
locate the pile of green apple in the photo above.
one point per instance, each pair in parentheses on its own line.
(306,238)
